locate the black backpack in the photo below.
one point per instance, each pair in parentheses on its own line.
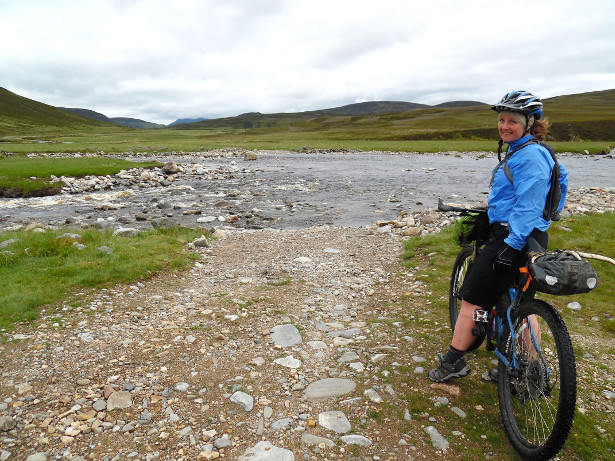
(554,196)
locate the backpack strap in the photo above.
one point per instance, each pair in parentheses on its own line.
(504,161)
(549,212)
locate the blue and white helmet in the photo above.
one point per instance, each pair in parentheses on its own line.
(520,101)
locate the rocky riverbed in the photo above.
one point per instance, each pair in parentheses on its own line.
(279,344)
(281,190)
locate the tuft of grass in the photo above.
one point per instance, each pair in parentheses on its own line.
(30,174)
(43,268)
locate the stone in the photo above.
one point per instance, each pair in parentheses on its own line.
(222,442)
(310,439)
(7,423)
(119,400)
(329,387)
(99,405)
(348,357)
(126,232)
(348,333)
(354,439)
(437,440)
(37,457)
(265,451)
(282,423)
(334,421)
(286,335)
(201,242)
(288,362)
(372,395)
(357,366)
(574,306)
(170,168)
(244,400)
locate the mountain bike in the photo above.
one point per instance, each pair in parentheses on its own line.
(536,377)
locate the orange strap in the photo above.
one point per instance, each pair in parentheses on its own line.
(525,270)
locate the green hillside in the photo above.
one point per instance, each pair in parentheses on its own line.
(21,116)
(580,122)
(586,116)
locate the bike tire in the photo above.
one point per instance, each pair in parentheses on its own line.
(537,406)
(461,267)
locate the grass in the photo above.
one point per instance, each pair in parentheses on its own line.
(29,174)
(168,141)
(592,435)
(43,268)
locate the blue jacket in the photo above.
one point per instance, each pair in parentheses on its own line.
(521,203)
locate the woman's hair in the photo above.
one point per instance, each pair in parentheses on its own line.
(539,128)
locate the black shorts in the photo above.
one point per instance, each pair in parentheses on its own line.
(482,285)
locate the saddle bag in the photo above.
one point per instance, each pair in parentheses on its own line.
(562,273)
(470,228)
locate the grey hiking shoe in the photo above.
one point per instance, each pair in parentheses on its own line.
(447,371)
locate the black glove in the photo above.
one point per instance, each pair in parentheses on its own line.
(504,259)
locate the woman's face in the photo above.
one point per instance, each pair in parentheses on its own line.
(509,127)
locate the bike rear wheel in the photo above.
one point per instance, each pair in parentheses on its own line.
(537,401)
(462,266)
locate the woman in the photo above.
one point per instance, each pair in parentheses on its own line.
(519,188)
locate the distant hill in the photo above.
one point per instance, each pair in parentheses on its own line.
(123,121)
(20,116)
(584,116)
(181,121)
(258,120)
(461,104)
(136,123)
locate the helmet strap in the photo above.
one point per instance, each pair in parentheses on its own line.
(500,144)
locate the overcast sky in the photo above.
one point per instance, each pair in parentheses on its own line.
(160,60)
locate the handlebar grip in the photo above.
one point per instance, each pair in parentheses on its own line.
(443,207)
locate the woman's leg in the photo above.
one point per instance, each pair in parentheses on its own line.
(462,336)
(452,364)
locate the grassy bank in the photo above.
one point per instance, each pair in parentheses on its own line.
(27,175)
(168,140)
(43,268)
(592,331)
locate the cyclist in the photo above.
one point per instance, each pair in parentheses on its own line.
(519,187)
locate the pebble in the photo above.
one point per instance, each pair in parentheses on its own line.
(288,362)
(310,439)
(354,439)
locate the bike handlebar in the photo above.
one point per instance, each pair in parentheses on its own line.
(444,207)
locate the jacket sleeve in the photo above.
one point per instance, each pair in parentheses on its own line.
(531,180)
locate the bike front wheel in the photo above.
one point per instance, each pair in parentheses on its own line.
(538,398)
(462,266)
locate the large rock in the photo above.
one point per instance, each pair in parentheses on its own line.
(329,387)
(286,335)
(334,421)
